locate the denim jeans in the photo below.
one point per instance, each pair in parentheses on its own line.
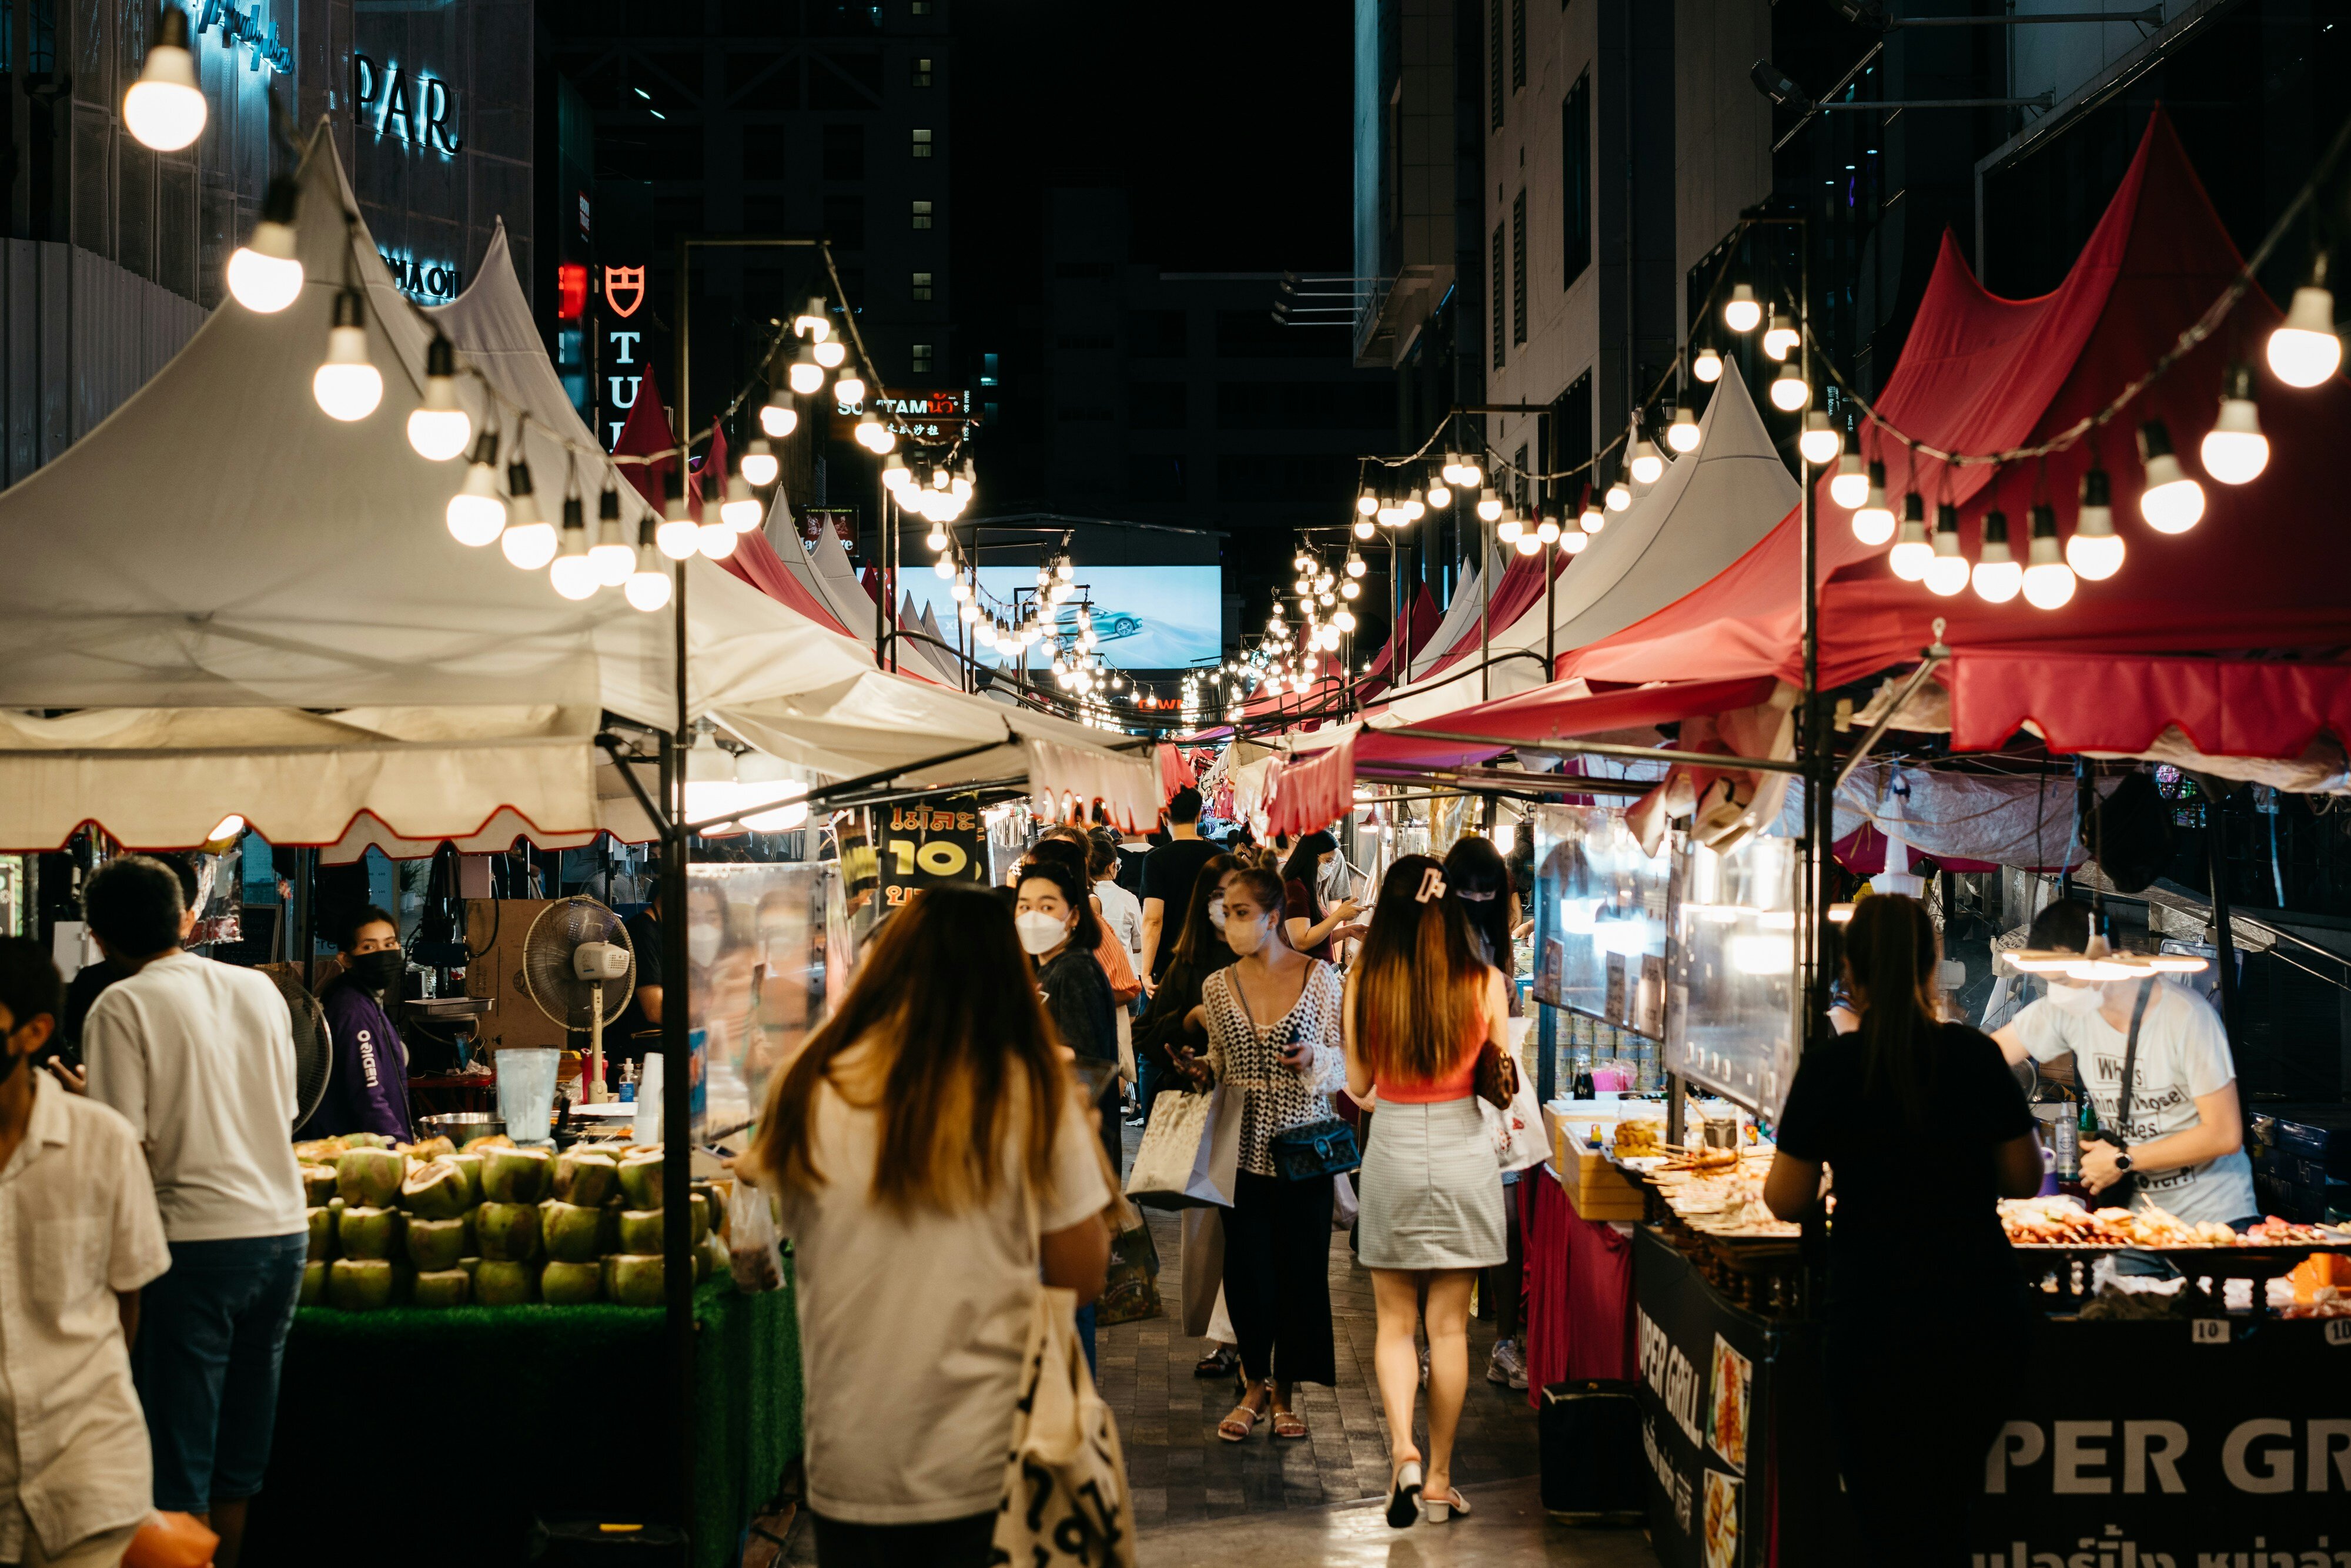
(210,1333)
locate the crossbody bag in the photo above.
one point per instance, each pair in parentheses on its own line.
(2126,1186)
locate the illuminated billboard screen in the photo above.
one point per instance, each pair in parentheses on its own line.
(1145,617)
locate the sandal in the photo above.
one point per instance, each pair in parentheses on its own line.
(1289,1424)
(1237,1427)
(1222,1362)
(1452,1504)
(1403,1495)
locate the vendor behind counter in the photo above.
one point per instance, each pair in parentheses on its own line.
(367,1087)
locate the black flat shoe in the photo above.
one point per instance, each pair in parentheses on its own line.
(1222,1362)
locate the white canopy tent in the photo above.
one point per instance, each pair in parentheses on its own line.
(1459,624)
(260,610)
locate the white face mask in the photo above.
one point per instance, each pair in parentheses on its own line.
(1216,913)
(702,943)
(1040,932)
(2078,1000)
(1245,939)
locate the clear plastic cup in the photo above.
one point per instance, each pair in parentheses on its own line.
(527,1092)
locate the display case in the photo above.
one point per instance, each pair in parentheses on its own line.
(1601,908)
(755,983)
(1730,997)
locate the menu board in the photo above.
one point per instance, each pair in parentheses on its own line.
(755,983)
(1599,918)
(1731,977)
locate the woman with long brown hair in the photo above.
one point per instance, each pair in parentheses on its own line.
(932,1160)
(1422,1004)
(1925,1128)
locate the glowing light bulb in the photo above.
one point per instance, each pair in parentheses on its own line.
(1489,506)
(1946,574)
(1790,390)
(778,418)
(759,465)
(740,510)
(1441,496)
(648,586)
(1820,445)
(849,391)
(1508,529)
(678,536)
(1646,466)
(1707,366)
(347,386)
(614,559)
(1355,567)
(264,275)
(573,573)
(830,353)
(1528,544)
(2235,450)
(2172,503)
(1911,552)
(438,428)
(529,540)
(1620,496)
(1742,310)
(805,375)
(1997,576)
(165,108)
(1873,521)
(716,540)
(1779,339)
(1850,487)
(1471,476)
(873,436)
(476,514)
(2306,351)
(2048,580)
(2095,550)
(1368,504)
(1593,520)
(1683,434)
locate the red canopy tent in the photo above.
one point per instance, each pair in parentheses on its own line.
(1521,583)
(2264,631)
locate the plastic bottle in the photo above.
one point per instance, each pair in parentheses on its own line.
(628,1083)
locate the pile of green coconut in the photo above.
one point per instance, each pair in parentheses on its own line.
(426,1225)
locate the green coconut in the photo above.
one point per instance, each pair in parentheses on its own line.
(570,1284)
(641,1181)
(314,1283)
(435,1190)
(570,1232)
(317,1184)
(366,1141)
(641,1231)
(369,1233)
(506,1232)
(359,1284)
(517,1176)
(699,1207)
(467,1219)
(708,1258)
(469,1263)
(506,1282)
(434,1148)
(470,1167)
(585,1177)
(370,1176)
(634,1280)
(322,1235)
(436,1245)
(438,1288)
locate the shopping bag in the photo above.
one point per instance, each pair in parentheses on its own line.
(1191,1150)
(1132,1291)
(754,1255)
(1065,1498)
(1344,1203)
(1517,1133)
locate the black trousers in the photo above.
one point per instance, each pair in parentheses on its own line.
(949,1543)
(1278,1278)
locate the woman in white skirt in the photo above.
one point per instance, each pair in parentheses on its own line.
(1421,1004)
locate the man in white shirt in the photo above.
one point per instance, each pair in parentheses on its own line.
(2184,1138)
(79,1236)
(199,1059)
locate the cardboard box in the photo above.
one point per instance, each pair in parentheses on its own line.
(495,929)
(1595,1188)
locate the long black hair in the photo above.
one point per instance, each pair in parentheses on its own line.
(1889,960)
(1304,867)
(1475,874)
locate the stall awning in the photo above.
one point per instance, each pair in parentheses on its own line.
(1979,374)
(1555,714)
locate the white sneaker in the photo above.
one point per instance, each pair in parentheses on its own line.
(1507,1367)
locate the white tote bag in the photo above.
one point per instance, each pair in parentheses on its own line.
(1517,1133)
(1191,1150)
(1065,1497)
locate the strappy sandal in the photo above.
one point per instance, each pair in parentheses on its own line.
(1403,1495)
(1289,1425)
(1222,1362)
(1451,1505)
(1237,1427)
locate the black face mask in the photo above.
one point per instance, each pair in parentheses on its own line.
(381,970)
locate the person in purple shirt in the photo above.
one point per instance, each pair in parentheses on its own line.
(367,1091)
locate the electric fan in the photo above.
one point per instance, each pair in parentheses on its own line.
(314,1048)
(578,967)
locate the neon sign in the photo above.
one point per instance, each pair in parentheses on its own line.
(243,29)
(429,282)
(419,113)
(624,282)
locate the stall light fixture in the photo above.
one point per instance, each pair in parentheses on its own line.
(1873,521)
(1355,567)
(1707,366)
(1911,553)
(759,464)
(1779,339)
(165,109)
(678,537)
(229,827)
(2305,350)
(831,352)
(1946,572)
(475,515)
(848,388)
(1997,576)
(1742,311)
(778,418)
(873,436)
(1528,544)
(2172,503)
(1546,531)
(1647,468)
(1441,496)
(1620,496)
(2048,580)
(805,375)
(2235,450)
(1368,504)
(1593,517)
(740,510)
(1683,433)
(438,428)
(1790,390)
(812,323)
(2095,550)
(1574,540)
(573,573)
(348,387)
(1820,445)
(613,558)
(1849,487)
(1489,505)
(264,275)
(528,540)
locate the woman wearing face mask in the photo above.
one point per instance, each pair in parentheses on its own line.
(1311,929)
(1925,1128)
(367,1088)
(1272,1024)
(1057,929)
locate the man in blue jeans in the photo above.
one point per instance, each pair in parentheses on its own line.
(199,1059)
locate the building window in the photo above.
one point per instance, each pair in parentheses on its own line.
(991,371)
(922,142)
(1500,296)
(844,153)
(1518,481)
(921,361)
(1575,176)
(922,212)
(919,8)
(1571,439)
(1518,270)
(1518,43)
(923,70)
(921,289)
(1494,61)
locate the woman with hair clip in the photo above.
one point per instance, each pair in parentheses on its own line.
(1422,1006)
(1310,929)
(931,1160)
(1476,874)
(1273,1024)
(1925,1128)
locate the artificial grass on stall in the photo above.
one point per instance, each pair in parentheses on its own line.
(414,1432)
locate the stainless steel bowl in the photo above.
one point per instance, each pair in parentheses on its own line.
(457,1126)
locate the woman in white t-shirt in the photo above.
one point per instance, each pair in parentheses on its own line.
(932,1160)
(2184,1138)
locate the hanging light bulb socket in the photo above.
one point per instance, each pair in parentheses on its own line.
(1872,520)
(1646,466)
(1779,339)
(1682,433)
(613,557)
(1707,366)
(1997,577)
(760,466)
(1742,311)
(1620,496)
(475,515)
(1790,390)
(2172,503)
(2095,550)
(264,275)
(2306,349)
(1489,505)
(439,427)
(2048,580)
(777,417)
(529,541)
(1820,445)
(1946,572)
(573,573)
(1849,487)
(2235,450)
(1912,549)
(348,386)
(648,585)
(164,109)
(678,536)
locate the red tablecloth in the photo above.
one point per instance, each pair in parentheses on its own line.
(1579,1276)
